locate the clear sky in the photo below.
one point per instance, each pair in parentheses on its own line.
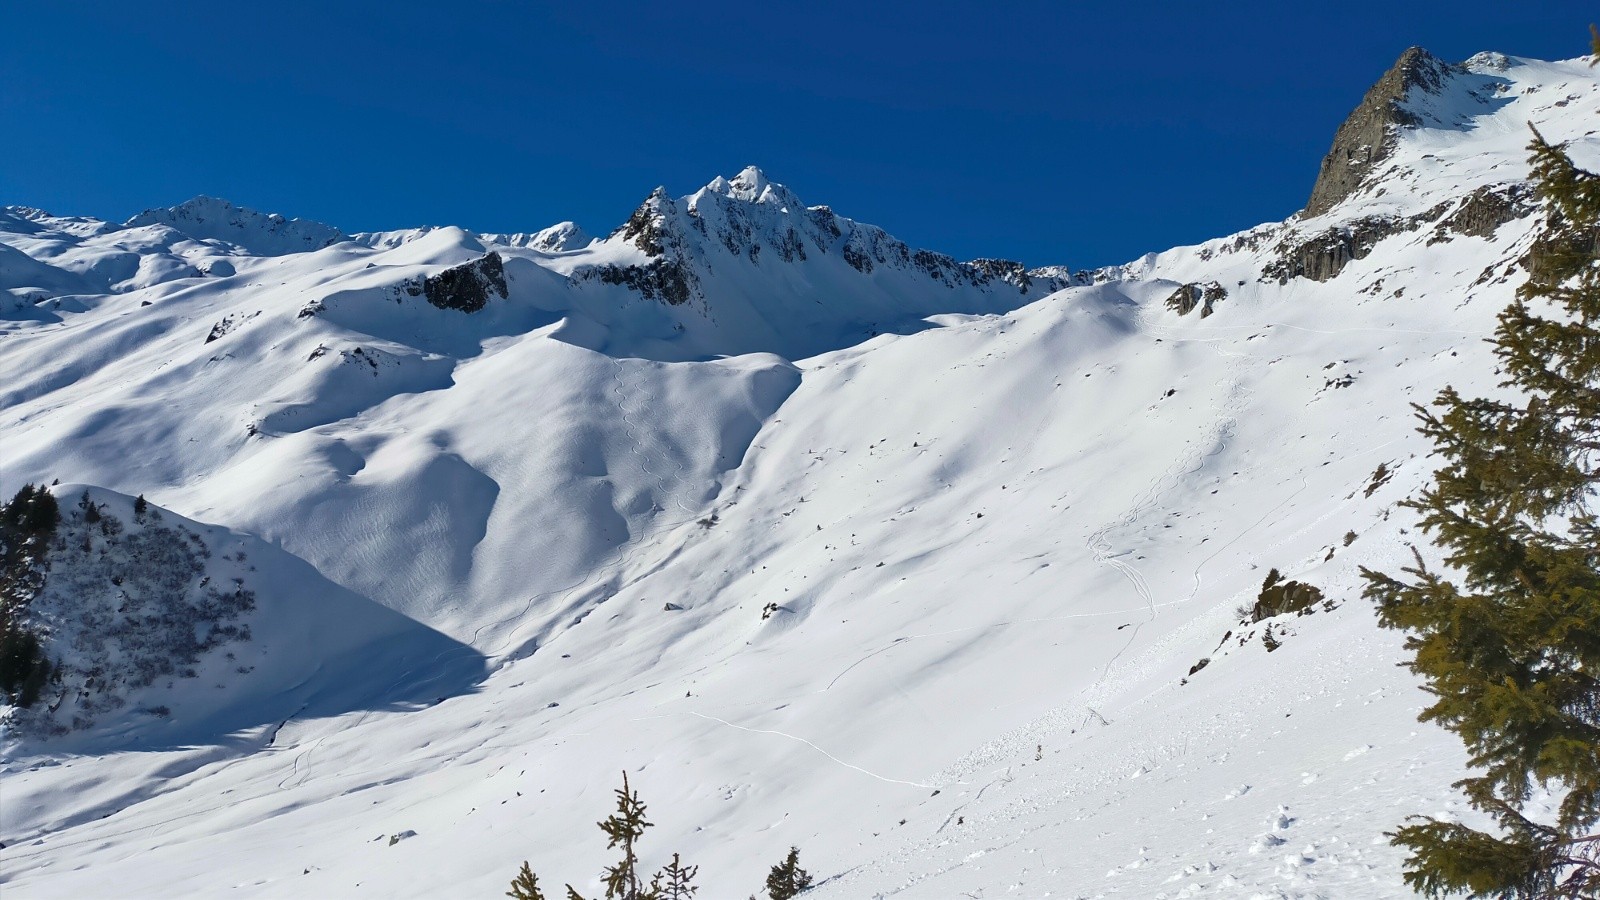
(1053,132)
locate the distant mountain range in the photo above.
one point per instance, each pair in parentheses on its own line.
(940,570)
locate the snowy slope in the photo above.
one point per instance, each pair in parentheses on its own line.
(323,393)
(167,632)
(916,583)
(260,234)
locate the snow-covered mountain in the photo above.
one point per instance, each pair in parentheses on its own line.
(941,571)
(211,219)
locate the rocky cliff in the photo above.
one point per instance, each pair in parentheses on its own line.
(1367,137)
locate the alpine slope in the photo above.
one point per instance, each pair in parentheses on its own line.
(944,572)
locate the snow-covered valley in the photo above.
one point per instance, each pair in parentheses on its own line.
(932,569)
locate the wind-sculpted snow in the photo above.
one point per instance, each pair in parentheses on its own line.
(923,588)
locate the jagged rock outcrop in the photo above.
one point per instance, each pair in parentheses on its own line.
(1324,255)
(1367,136)
(659,230)
(764,223)
(1006,270)
(1204,295)
(1065,276)
(646,226)
(666,280)
(466,287)
(1486,209)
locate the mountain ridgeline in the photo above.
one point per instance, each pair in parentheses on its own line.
(427,533)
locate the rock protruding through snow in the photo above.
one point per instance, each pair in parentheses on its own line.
(1366,138)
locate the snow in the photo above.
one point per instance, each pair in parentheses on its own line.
(284,641)
(909,571)
(558,238)
(262,234)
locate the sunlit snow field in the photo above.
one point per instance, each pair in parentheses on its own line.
(998,533)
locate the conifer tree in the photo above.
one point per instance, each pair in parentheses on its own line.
(674,881)
(525,886)
(623,882)
(26,526)
(787,879)
(624,828)
(1508,639)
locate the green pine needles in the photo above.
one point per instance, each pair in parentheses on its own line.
(624,828)
(674,881)
(787,879)
(525,886)
(27,524)
(623,881)
(1508,639)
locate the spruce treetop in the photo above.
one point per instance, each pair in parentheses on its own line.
(1507,635)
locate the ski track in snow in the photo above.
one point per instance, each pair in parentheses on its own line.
(955,525)
(851,766)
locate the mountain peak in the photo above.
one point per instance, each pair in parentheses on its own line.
(1367,136)
(558,238)
(265,234)
(716,245)
(1487,61)
(751,179)
(1417,68)
(561,237)
(751,185)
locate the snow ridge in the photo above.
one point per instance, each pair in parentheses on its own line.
(930,571)
(262,234)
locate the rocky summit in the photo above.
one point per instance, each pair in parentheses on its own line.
(362,564)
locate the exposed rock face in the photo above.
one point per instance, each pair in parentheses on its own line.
(1367,137)
(221,328)
(1279,597)
(764,223)
(657,228)
(466,287)
(646,227)
(1184,300)
(1064,276)
(670,282)
(1009,271)
(1486,209)
(1324,255)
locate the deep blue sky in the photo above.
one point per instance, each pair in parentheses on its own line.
(1071,133)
